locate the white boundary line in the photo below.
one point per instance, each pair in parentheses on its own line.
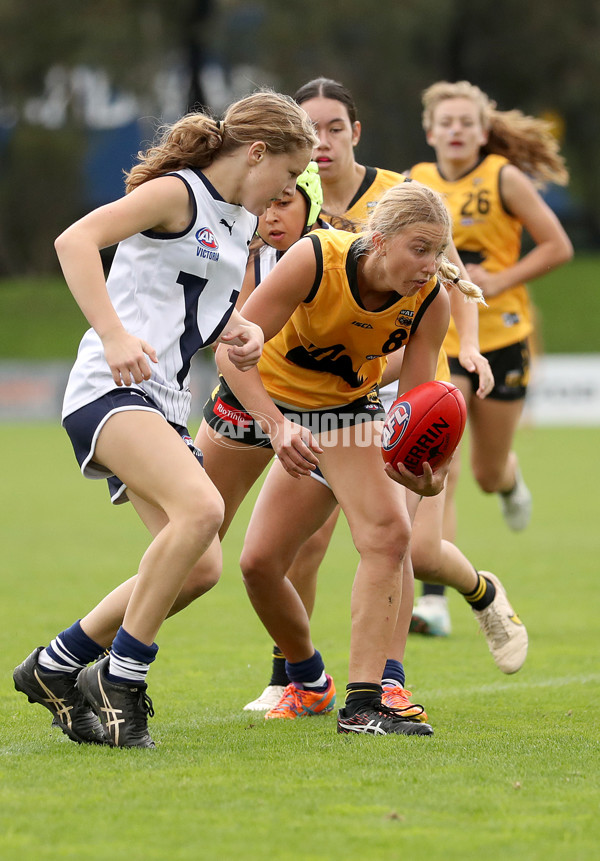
(512,686)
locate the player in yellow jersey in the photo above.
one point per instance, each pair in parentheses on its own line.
(349,188)
(352,189)
(487,162)
(331,310)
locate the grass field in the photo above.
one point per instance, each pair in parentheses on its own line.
(513,771)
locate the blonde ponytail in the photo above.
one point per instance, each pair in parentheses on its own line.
(449,274)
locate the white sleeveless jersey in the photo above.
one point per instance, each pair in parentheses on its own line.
(177,292)
(264,261)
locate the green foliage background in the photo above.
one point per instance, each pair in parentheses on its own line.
(531,56)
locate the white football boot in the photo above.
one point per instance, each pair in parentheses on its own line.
(516,505)
(267,700)
(431,616)
(506,635)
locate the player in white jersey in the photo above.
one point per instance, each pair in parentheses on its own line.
(183,231)
(182,312)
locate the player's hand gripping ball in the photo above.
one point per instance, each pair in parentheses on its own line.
(425,424)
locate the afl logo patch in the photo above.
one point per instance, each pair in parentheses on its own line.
(206,237)
(395,426)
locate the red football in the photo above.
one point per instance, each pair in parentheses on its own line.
(425,424)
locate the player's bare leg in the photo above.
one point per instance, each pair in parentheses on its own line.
(288,512)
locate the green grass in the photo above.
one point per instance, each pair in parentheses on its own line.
(39,318)
(512,772)
(568,306)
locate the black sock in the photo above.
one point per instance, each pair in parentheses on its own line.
(360,694)
(433,589)
(482,595)
(278,673)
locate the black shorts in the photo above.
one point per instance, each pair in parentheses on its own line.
(510,367)
(225,415)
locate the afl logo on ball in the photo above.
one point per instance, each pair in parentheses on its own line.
(395,426)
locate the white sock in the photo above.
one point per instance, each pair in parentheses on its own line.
(126,669)
(321,682)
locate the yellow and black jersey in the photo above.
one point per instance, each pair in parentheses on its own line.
(332,350)
(375,182)
(484,232)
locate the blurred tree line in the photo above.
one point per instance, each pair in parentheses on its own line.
(83,86)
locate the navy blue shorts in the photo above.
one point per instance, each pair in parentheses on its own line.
(84,425)
(510,367)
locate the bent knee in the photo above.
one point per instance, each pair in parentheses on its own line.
(426,563)
(489,480)
(258,567)
(252,564)
(389,539)
(202,517)
(200,580)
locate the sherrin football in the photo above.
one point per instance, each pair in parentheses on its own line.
(425,424)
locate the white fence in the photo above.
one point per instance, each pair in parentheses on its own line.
(565,390)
